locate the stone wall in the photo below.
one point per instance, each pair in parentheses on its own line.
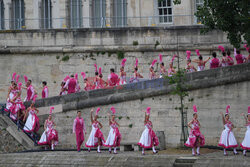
(210,90)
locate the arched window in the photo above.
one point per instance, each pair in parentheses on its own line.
(17,14)
(75,13)
(46,14)
(99,13)
(1,15)
(119,13)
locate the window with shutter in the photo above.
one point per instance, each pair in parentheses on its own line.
(119,13)
(1,15)
(99,13)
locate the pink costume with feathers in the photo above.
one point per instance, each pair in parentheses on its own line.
(123,74)
(246,142)
(152,74)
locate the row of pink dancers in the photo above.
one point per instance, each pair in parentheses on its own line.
(227,139)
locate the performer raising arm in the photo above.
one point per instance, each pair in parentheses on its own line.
(200,62)
(246,142)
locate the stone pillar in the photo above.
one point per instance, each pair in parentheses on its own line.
(7,13)
(108,13)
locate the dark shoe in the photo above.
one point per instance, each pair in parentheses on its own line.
(236,153)
(155,152)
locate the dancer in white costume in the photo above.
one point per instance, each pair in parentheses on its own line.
(163,71)
(123,73)
(114,137)
(96,138)
(152,74)
(227,139)
(50,135)
(246,142)
(148,138)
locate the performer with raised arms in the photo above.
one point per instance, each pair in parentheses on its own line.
(245,145)
(163,71)
(200,62)
(189,67)
(123,73)
(136,74)
(152,74)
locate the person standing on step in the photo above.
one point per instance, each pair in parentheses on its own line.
(163,70)
(96,138)
(50,134)
(122,73)
(171,69)
(32,122)
(78,88)
(200,62)
(63,90)
(245,145)
(45,91)
(137,75)
(152,74)
(71,85)
(148,138)
(195,139)
(10,94)
(114,137)
(227,139)
(113,78)
(30,89)
(79,130)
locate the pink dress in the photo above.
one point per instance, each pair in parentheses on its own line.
(11,96)
(227,139)
(148,138)
(123,79)
(170,72)
(194,135)
(32,122)
(94,136)
(17,106)
(114,137)
(49,134)
(246,142)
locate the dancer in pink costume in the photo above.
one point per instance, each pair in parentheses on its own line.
(171,69)
(163,71)
(114,137)
(239,57)
(79,130)
(10,93)
(189,68)
(113,78)
(227,139)
(224,60)
(215,62)
(87,84)
(78,88)
(229,58)
(32,123)
(45,91)
(64,91)
(123,73)
(96,77)
(136,74)
(200,62)
(152,74)
(148,138)
(96,138)
(30,89)
(50,134)
(246,142)
(71,85)
(195,139)
(248,51)
(101,84)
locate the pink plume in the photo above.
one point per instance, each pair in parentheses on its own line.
(160,58)
(247,48)
(148,110)
(13,76)
(76,76)
(34,98)
(153,63)
(248,110)
(173,59)
(83,75)
(188,54)
(113,110)
(195,108)
(66,78)
(197,52)
(51,110)
(97,110)
(17,78)
(25,78)
(123,62)
(100,70)
(222,49)
(136,63)
(95,67)
(19,86)
(227,109)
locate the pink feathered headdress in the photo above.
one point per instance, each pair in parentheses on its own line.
(17,78)
(100,71)
(34,99)
(197,52)
(160,58)
(153,63)
(222,49)
(136,63)
(248,110)
(188,54)
(13,76)
(66,78)
(172,60)
(195,109)
(76,76)
(95,67)
(51,110)
(247,48)
(113,110)
(25,78)
(97,111)
(123,62)
(83,75)
(19,86)
(227,109)
(148,111)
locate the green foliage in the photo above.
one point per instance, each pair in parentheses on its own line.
(103,52)
(97,53)
(65,58)
(229,16)
(130,125)
(120,117)
(120,55)
(128,117)
(91,54)
(57,57)
(135,43)
(157,43)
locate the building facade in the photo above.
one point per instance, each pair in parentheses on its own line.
(63,14)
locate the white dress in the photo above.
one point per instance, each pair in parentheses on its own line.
(246,142)
(123,80)
(114,137)
(95,134)
(200,68)
(49,134)
(227,139)
(31,122)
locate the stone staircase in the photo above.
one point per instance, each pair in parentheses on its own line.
(184,162)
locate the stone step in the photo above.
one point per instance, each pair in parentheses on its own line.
(186,160)
(183,165)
